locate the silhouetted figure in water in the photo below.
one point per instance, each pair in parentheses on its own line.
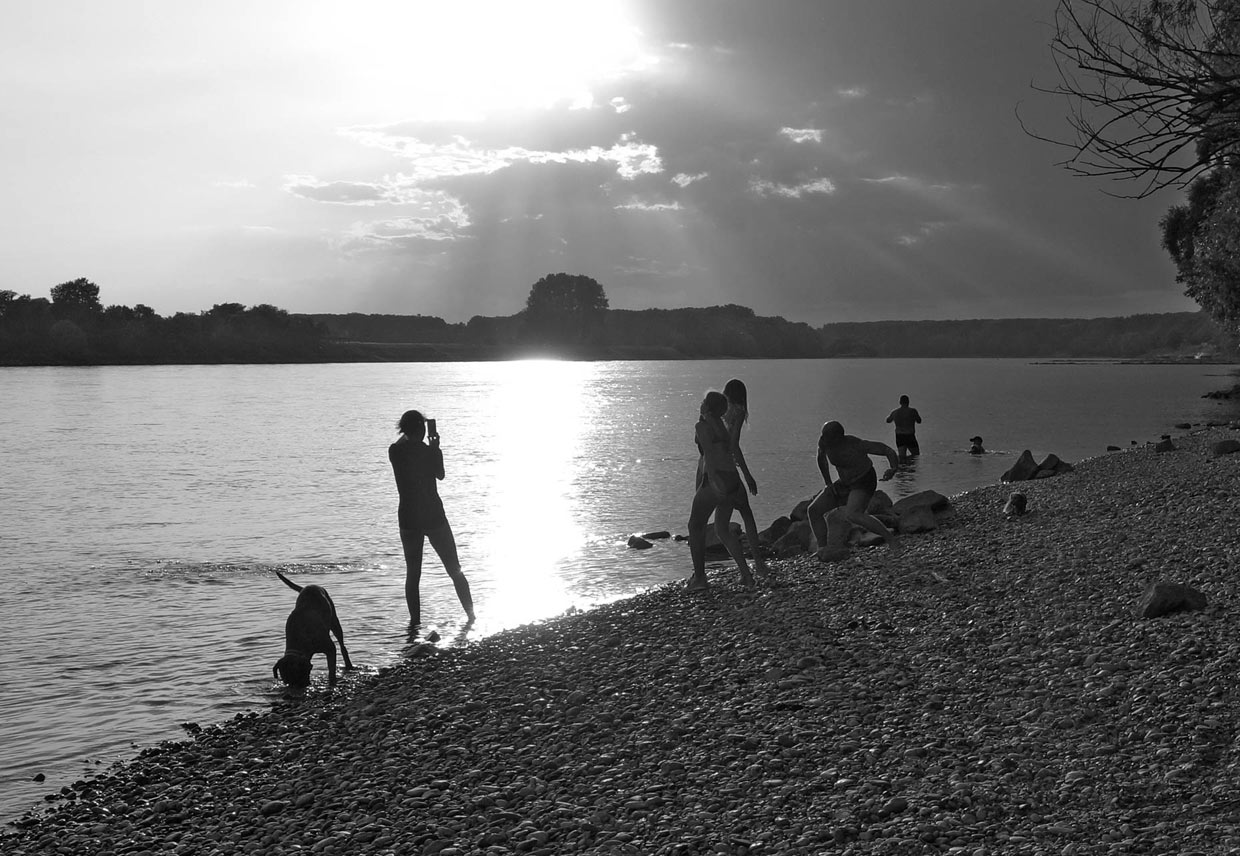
(976,447)
(856,484)
(734,419)
(906,420)
(718,488)
(418,466)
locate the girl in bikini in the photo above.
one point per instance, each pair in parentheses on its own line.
(719,489)
(734,419)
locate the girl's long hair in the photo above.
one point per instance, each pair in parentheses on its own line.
(738,397)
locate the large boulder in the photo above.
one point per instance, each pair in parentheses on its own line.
(794,541)
(838,532)
(1023,469)
(880,503)
(931,499)
(779,526)
(1226,447)
(1016,505)
(919,518)
(1026,468)
(1054,466)
(1165,598)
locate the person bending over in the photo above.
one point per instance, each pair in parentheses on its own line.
(906,420)
(418,466)
(718,489)
(856,484)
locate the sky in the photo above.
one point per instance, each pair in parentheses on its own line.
(820,160)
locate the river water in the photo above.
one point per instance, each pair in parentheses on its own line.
(144,509)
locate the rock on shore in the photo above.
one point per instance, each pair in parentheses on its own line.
(990,689)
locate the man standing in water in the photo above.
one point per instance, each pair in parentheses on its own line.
(906,419)
(855,486)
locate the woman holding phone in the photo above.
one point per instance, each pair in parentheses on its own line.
(418,466)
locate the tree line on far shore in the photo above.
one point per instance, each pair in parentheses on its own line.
(75,328)
(565,316)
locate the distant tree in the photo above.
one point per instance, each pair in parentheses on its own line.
(1153,88)
(565,308)
(225,310)
(77,296)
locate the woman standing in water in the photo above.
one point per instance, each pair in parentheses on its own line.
(417,466)
(718,489)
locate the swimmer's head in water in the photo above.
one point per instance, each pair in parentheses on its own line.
(714,404)
(832,432)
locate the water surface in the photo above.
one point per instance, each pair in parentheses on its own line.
(144,509)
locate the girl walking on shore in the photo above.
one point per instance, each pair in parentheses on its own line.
(734,419)
(418,466)
(718,489)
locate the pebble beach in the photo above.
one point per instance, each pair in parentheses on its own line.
(989,689)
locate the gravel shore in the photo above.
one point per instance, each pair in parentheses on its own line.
(988,689)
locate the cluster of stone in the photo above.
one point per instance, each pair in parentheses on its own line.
(1027,468)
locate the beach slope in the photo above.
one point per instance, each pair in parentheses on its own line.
(990,689)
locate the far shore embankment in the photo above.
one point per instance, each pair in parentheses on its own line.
(989,689)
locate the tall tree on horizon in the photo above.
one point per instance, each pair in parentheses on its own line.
(77,296)
(565,309)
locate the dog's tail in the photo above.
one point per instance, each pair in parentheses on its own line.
(289,582)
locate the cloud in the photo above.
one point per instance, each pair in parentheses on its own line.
(403,231)
(680,179)
(335,192)
(437,159)
(650,206)
(802,135)
(823,186)
(923,232)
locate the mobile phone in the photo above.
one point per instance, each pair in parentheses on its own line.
(430,428)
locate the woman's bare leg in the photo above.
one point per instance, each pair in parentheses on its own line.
(411,540)
(723,528)
(751,535)
(699,515)
(444,543)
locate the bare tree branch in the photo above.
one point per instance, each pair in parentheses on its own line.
(1152,87)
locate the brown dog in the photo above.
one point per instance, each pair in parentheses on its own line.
(308,632)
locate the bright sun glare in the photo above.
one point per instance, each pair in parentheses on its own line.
(547,412)
(466,58)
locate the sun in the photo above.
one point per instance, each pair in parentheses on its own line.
(430,59)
